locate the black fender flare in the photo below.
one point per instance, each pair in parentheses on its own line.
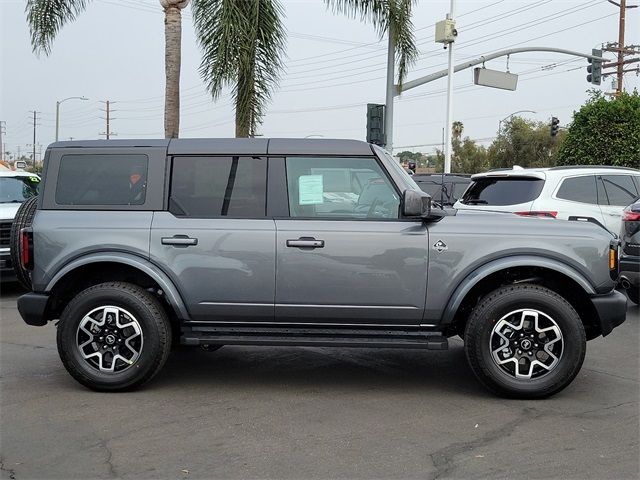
(169,289)
(473,278)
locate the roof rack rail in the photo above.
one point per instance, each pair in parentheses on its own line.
(577,167)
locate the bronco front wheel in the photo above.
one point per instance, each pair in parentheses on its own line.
(113,336)
(525,341)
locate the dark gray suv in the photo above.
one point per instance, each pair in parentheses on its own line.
(135,245)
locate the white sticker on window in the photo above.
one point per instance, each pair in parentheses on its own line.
(310,189)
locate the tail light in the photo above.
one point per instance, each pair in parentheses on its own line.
(26,248)
(538,213)
(629,216)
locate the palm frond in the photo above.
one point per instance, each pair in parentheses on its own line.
(47,17)
(242,45)
(388,17)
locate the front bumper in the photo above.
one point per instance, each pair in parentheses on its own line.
(611,309)
(6,267)
(32,307)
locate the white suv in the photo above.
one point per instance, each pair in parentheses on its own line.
(595,194)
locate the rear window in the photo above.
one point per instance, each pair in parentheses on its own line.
(102,180)
(502,191)
(207,187)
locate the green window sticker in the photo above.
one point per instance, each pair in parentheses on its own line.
(34,179)
(311,189)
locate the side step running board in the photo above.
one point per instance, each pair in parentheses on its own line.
(312,337)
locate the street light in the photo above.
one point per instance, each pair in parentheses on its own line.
(58,111)
(511,115)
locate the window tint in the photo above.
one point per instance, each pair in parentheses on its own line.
(102,180)
(218,187)
(502,191)
(621,190)
(340,187)
(579,189)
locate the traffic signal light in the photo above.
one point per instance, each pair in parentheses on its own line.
(375,124)
(555,126)
(594,69)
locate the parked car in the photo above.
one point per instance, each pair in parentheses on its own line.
(15,188)
(594,194)
(630,256)
(445,188)
(245,242)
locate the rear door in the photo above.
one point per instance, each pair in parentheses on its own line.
(215,240)
(619,190)
(343,254)
(576,198)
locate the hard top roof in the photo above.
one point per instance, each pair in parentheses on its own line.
(17,173)
(237,146)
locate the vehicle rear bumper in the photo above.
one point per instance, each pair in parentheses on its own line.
(611,309)
(630,269)
(32,307)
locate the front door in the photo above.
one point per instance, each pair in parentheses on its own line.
(343,254)
(215,241)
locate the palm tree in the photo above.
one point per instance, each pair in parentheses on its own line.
(242,45)
(243,42)
(47,17)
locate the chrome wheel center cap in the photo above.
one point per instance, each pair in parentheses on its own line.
(110,339)
(525,344)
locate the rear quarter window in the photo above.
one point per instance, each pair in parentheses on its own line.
(94,179)
(502,191)
(579,189)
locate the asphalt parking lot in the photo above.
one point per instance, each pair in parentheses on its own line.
(313,413)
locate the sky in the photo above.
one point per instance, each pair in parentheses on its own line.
(335,65)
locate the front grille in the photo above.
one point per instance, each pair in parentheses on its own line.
(5,234)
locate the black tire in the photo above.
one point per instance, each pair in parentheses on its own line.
(23,218)
(153,323)
(633,293)
(498,304)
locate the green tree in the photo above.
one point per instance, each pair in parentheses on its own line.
(525,143)
(605,131)
(47,17)
(242,44)
(467,156)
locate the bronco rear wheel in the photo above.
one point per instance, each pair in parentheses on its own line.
(525,341)
(114,336)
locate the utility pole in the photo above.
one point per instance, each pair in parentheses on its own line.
(2,131)
(35,123)
(107,133)
(621,49)
(449,120)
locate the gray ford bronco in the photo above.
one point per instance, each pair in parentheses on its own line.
(135,245)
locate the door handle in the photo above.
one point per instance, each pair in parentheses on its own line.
(305,242)
(179,241)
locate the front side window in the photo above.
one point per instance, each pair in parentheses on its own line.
(18,189)
(579,189)
(620,189)
(102,180)
(340,187)
(209,187)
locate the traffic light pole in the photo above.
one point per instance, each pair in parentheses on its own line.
(392,91)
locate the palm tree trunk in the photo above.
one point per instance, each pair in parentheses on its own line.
(172,59)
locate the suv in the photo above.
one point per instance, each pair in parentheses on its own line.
(630,255)
(138,245)
(15,188)
(593,194)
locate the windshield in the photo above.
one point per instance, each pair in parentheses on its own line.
(18,189)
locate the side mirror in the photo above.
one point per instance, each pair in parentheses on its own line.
(416,204)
